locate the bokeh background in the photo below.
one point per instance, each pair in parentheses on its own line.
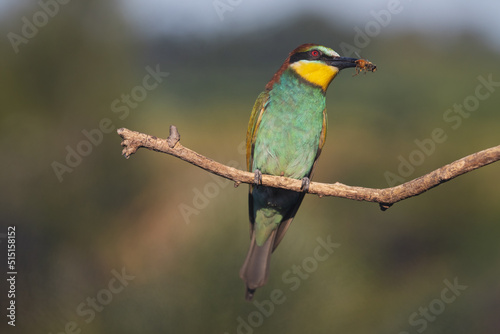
(179,234)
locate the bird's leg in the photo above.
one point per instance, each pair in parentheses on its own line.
(258,177)
(305,184)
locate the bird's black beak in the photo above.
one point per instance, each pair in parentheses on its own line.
(343,62)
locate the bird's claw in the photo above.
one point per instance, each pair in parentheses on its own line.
(305,184)
(258,177)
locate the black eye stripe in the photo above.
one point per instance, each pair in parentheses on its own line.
(306,55)
(299,56)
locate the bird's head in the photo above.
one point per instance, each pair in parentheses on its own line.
(314,63)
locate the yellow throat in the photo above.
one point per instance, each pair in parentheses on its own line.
(316,73)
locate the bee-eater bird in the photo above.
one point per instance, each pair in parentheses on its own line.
(286,133)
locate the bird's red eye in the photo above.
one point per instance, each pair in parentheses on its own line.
(315,53)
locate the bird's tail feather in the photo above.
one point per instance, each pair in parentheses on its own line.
(255,270)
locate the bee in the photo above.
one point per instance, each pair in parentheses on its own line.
(364,65)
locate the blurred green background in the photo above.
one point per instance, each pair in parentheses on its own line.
(180,235)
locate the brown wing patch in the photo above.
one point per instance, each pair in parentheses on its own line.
(253,125)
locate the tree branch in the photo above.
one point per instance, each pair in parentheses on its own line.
(133,140)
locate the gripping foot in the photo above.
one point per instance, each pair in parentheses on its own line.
(258,177)
(305,184)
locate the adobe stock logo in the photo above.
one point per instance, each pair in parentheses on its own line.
(454,118)
(30,28)
(88,308)
(372,28)
(203,195)
(294,277)
(222,6)
(120,106)
(436,307)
